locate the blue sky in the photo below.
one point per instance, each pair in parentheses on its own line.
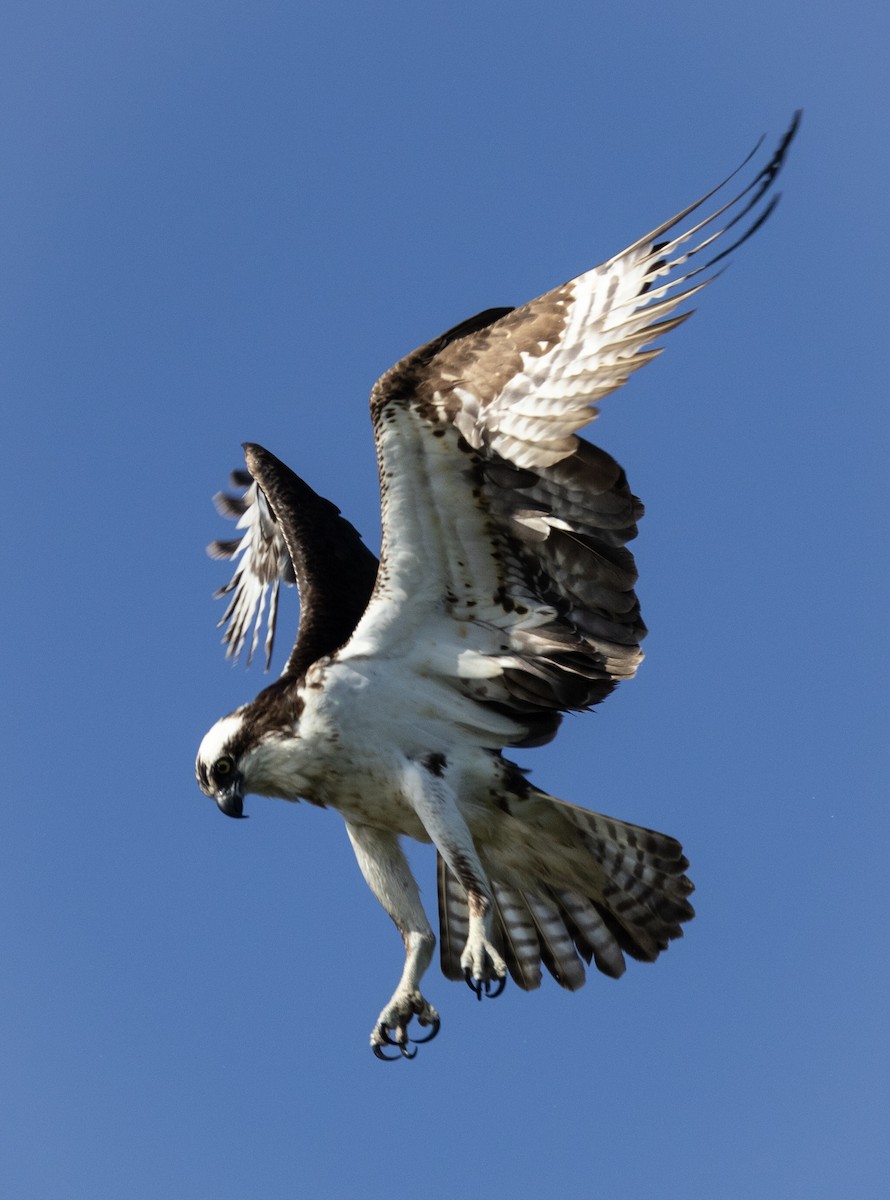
(221,222)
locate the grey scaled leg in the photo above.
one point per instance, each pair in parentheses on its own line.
(389,877)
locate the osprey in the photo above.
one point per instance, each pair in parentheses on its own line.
(504,597)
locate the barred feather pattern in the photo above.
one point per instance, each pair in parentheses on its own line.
(571,887)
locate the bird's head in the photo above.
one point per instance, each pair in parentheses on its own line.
(257,748)
(220,766)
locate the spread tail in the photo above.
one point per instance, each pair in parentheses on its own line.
(571,887)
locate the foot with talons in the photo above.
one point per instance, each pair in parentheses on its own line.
(484,969)
(491,989)
(392,1027)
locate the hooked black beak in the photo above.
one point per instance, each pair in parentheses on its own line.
(230,799)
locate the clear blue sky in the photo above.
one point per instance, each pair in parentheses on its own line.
(221,221)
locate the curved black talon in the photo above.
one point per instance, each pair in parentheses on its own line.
(435,1026)
(403,1050)
(378,1053)
(480,987)
(402,1047)
(501,983)
(475,985)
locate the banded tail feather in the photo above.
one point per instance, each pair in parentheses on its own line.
(604,889)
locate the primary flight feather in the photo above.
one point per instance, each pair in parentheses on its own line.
(504,596)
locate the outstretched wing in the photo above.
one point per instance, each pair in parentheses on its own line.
(290,535)
(504,535)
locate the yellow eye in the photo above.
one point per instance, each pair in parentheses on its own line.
(222,766)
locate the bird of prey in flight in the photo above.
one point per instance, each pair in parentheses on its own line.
(504,597)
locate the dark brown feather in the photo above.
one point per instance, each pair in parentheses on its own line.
(335,571)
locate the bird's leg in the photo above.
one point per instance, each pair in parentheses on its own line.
(389,877)
(435,803)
